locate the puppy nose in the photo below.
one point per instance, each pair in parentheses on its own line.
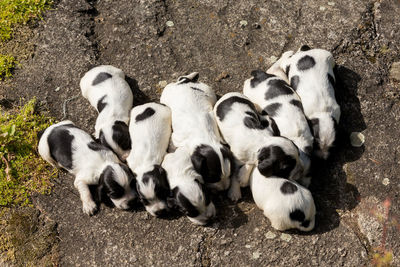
(132,203)
(161,213)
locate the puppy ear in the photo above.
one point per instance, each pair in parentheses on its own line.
(207,163)
(305,48)
(162,175)
(121,135)
(206,192)
(265,162)
(192,77)
(171,200)
(102,193)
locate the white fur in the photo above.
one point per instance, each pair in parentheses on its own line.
(245,142)
(290,120)
(88,166)
(119,99)
(181,174)
(193,120)
(278,206)
(316,92)
(150,139)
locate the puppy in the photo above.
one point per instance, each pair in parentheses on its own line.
(285,203)
(189,194)
(106,89)
(194,127)
(310,72)
(65,146)
(275,97)
(150,131)
(252,141)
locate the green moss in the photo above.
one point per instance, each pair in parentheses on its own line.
(7,63)
(22,171)
(14,12)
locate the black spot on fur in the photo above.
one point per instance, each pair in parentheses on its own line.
(272,161)
(206,192)
(306,223)
(108,186)
(287,70)
(227,154)
(297,215)
(253,121)
(60,146)
(305,48)
(275,128)
(196,89)
(207,163)
(225,106)
(305,63)
(96,146)
(185,79)
(277,87)
(187,207)
(101,77)
(272,109)
(288,188)
(103,141)
(100,104)
(159,178)
(314,127)
(258,77)
(148,112)
(121,135)
(331,80)
(40,133)
(297,103)
(294,82)
(308,150)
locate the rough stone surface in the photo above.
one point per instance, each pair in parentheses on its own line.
(207,37)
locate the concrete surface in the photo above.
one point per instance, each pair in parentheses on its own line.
(207,36)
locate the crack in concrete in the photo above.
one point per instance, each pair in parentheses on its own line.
(290,37)
(203,249)
(92,12)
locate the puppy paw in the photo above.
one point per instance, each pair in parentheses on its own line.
(234,193)
(89,208)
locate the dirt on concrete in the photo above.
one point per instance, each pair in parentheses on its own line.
(356,191)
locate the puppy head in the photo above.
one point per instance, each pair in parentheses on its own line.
(213,164)
(193,200)
(153,190)
(324,129)
(116,137)
(280,158)
(117,186)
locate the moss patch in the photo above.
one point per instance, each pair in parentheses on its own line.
(22,171)
(7,63)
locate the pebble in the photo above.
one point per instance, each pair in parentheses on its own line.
(322,8)
(331,3)
(270,235)
(273,59)
(243,23)
(170,23)
(395,71)
(256,255)
(162,84)
(57,89)
(247,246)
(286,237)
(386,181)
(357,139)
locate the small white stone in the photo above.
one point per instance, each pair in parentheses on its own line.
(256,255)
(162,84)
(386,181)
(270,235)
(273,59)
(331,3)
(322,8)
(247,246)
(286,237)
(226,253)
(243,23)
(169,23)
(57,89)
(357,139)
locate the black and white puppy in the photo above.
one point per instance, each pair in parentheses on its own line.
(252,141)
(276,99)
(150,131)
(189,194)
(65,146)
(106,89)
(194,127)
(310,72)
(285,203)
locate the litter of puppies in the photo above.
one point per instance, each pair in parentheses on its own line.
(173,155)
